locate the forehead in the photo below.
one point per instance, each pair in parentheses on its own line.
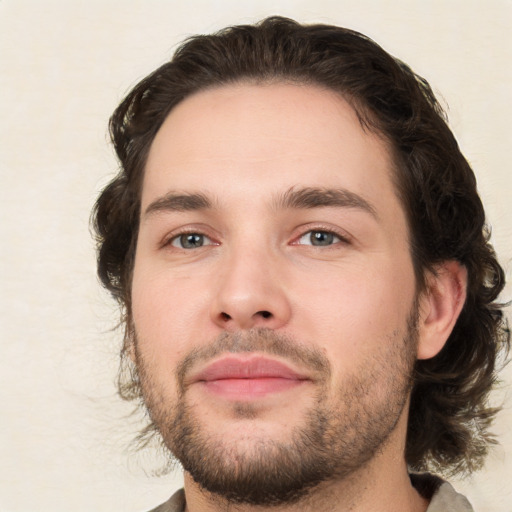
(249,140)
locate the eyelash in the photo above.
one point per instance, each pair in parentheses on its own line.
(168,242)
(343,239)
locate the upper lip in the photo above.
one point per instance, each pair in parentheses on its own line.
(246,367)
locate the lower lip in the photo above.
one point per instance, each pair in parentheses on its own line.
(248,389)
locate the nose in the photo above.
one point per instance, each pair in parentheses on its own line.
(250,293)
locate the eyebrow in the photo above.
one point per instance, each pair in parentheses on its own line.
(178,202)
(313,197)
(293,198)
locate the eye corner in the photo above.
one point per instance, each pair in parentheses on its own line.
(188,240)
(319,237)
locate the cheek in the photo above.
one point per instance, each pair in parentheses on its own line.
(350,311)
(165,312)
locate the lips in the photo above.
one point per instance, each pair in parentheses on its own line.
(248,378)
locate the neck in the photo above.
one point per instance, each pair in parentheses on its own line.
(382,485)
(328,497)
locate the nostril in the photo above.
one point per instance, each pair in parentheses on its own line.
(225,317)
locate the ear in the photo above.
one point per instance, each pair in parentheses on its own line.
(129,340)
(440,306)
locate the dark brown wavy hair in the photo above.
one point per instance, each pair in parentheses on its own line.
(450,412)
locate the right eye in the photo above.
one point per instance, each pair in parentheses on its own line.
(190,241)
(319,238)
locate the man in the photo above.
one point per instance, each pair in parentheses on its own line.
(305,274)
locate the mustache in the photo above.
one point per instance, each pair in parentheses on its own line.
(264,341)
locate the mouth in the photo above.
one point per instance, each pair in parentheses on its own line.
(248,378)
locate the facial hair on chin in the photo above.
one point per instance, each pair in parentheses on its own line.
(335,439)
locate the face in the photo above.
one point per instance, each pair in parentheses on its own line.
(273,291)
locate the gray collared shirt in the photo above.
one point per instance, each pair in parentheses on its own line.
(443,499)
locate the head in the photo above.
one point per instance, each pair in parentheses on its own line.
(445,386)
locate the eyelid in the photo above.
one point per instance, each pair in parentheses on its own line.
(187,230)
(205,239)
(309,234)
(343,236)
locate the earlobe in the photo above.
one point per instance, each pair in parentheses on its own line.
(129,341)
(440,307)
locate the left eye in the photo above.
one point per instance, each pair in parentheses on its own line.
(319,238)
(190,241)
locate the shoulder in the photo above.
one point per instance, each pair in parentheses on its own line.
(175,504)
(441,494)
(447,498)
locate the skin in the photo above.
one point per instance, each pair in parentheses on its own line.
(244,148)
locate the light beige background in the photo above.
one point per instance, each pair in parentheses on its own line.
(64,67)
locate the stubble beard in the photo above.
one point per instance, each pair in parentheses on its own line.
(335,440)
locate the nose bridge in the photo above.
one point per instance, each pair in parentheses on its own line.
(250,291)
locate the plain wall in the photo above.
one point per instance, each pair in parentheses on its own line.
(65,65)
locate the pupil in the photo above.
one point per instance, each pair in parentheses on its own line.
(191,241)
(321,238)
